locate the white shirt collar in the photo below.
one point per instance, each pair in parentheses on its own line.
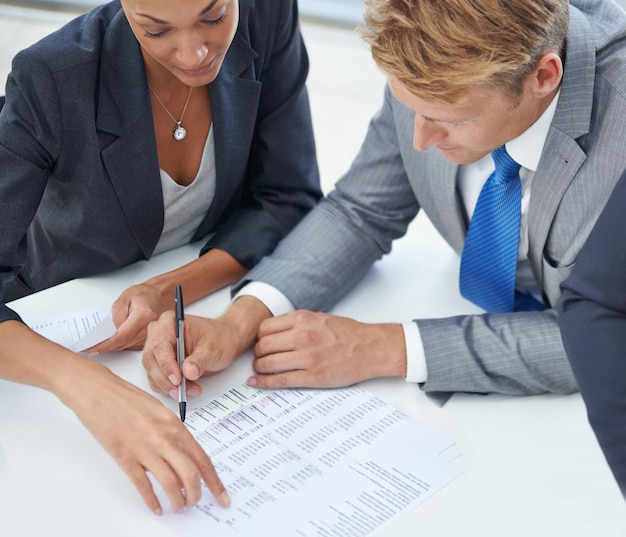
(526,149)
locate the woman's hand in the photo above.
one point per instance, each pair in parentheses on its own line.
(135,308)
(144,303)
(139,432)
(142,436)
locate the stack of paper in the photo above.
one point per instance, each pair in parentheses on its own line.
(312,462)
(78,330)
(297,462)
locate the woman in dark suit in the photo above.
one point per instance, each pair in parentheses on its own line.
(592,317)
(139,127)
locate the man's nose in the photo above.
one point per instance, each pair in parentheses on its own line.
(426,133)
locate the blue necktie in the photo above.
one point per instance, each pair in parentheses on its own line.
(489,260)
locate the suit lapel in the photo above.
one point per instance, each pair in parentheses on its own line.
(235,103)
(126,134)
(562,157)
(441,201)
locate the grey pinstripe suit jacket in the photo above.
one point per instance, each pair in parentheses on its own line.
(389,182)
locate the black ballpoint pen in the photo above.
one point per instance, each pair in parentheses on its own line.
(180,351)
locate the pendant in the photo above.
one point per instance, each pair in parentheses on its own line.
(179,132)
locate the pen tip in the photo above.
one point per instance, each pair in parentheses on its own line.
(182,407)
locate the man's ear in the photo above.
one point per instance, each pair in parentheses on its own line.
(547,76)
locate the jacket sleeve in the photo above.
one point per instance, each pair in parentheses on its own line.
(592,317)
(512,353)
(339,240)
(282,182)
(29,143)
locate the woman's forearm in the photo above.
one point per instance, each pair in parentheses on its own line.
(202,276)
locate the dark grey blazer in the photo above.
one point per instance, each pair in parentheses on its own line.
(592,317)
(80,190)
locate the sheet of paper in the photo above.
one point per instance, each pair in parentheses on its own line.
(312,462)
(77,330)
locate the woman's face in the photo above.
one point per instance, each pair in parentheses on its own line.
(189,38)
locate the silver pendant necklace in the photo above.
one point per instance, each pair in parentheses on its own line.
(179,131)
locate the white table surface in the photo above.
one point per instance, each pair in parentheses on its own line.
(531,464)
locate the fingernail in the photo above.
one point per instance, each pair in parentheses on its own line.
(173,380)
(252,381)
(194,372)
(225,499)
(193,391)
(173,394)
(157,511)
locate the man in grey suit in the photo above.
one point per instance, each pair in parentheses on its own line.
(546,79)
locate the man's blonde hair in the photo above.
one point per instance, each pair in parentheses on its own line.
(438,49)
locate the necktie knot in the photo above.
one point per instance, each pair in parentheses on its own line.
(506,168)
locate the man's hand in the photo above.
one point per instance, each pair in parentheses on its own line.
(306,349)
(211,345)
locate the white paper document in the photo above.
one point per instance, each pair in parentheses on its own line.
(77,330)
(312,463)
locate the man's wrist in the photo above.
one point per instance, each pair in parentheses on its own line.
(275,301)
(387,350)
(246,313)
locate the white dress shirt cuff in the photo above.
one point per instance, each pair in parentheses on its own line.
(278,304)
(415,357)
(273,299)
